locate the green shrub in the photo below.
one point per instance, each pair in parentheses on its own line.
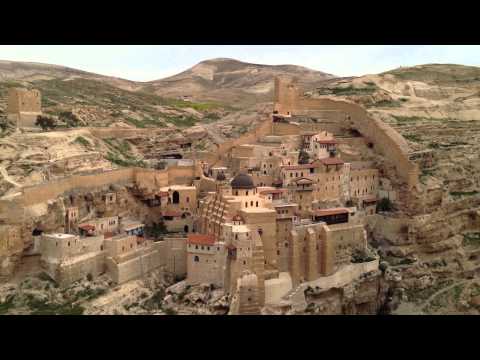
(384,204)
(82,141)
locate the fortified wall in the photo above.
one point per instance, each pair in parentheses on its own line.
(149,178)
(388,142)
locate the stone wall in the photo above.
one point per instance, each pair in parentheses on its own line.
(387,141)
(133,268)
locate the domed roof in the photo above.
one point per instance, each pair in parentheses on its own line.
(221,176)
(242,181)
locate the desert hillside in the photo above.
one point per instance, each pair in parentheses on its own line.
(231,81)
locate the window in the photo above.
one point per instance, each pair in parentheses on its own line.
(251,203)
(69,243)
(246,193)
(187,199)
(244,262)
(256,203)
(196,259)
(246,204)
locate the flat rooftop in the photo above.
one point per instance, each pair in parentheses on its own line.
(60,236)
(177,187)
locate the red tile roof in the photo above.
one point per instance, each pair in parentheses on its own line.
(327,212)
(201,239)
(86,227)
(332,161)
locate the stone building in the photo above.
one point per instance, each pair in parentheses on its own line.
(205,260)
(24,106)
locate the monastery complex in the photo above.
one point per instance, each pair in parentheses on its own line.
(289,205)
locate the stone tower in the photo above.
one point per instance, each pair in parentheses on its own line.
(24,106)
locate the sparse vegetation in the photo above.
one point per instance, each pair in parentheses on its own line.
(412,137)
(458,194)
(46,122)
(471,239)
(69,119)
(82,141)
(182,121)
(385,205)
(349,90)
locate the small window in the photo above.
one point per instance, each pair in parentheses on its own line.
(196,259)
(251,203)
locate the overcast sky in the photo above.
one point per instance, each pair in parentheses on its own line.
(143,63)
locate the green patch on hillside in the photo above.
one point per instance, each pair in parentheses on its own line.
(460,194)
(82,141)
(182,121)
(58,95)
(44,307)
(348,90)
(386,103)
(439,74)
(413,137)
(471,239)
(129,162)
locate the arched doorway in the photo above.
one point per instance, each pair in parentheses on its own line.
(176,197)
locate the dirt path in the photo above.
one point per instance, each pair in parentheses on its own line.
(443,290)
(409,308)
(7,178)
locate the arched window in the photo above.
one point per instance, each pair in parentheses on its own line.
(246,193)
(246,204)
(196,259)
(256,203)
(176,197)
(251,203)
(187,199)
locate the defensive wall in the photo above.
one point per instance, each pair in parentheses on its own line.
(109,132)
(384,138)
(150,178)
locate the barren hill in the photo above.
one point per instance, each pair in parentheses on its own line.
(231,81)
(27,72)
